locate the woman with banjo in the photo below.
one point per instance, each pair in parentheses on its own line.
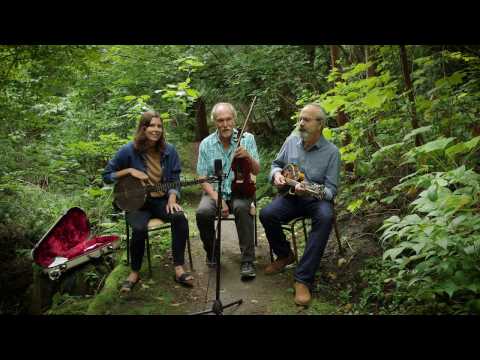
(150,160)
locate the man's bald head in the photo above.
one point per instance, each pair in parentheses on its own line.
(317,110)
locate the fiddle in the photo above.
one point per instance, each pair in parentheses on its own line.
(242,183)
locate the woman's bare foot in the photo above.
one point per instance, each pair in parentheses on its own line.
(131,281)
(183,277)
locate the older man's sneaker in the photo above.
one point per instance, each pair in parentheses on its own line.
(247,270)
(279,264)
(302,294)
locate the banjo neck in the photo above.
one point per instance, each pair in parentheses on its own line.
(164,187)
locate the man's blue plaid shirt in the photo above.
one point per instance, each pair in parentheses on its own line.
(211,148)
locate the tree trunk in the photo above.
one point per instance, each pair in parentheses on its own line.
(201,130)
(411,94)
(310,50)
(370,56)
(371,72)
(341,116)
(334,55)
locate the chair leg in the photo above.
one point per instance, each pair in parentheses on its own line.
(294,241)
(127,229)
(148,257)
(255,229)
(337,234)
(189,254)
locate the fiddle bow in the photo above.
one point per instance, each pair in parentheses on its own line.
(242,183)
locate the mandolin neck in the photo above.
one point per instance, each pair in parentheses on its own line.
(308,188)
(291,182)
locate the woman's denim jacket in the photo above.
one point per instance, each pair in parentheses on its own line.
(128,157)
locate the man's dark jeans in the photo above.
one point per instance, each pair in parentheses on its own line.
(155,208)
(285,208)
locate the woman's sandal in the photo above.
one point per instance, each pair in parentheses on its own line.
(128,286)
(182,280)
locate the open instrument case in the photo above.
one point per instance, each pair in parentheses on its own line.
(67,244)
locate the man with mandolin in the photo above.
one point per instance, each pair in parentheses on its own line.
(238,190)
(307,165)
(151,160)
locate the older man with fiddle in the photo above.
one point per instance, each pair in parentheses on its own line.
(222,145)
(319,160)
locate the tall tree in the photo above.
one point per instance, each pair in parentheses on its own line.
(342,118)
(410,91)
(201,130)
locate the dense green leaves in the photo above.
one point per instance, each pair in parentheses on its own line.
(66,109)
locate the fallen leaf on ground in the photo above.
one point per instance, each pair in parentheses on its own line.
(145,286)
(176,304)
(332,275)
(341,262)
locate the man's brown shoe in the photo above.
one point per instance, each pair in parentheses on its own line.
(302,294)
(279,264)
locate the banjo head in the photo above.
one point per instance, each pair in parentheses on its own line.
(129,193)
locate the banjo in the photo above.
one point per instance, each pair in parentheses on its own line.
(130,193)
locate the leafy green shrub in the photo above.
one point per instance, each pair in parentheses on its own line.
(436,250)
(27,212)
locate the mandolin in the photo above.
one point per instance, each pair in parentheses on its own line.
(294,176)
(130,193)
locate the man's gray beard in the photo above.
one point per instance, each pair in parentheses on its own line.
(304,135)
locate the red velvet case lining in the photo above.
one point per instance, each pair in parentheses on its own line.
(69,239)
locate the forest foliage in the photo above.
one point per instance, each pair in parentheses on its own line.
(406,124)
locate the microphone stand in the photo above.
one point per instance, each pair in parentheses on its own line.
(218,307)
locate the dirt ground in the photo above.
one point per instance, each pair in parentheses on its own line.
(273,294)
(264,295)
(258,295)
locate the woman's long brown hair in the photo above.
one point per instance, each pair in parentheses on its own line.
(140,141)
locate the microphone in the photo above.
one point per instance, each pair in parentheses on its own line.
(218,167)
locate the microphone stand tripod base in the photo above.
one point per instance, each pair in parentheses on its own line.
(217,307)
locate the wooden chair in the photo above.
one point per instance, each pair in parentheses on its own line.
(154,224)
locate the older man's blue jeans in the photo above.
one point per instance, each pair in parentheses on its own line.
(285,208)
